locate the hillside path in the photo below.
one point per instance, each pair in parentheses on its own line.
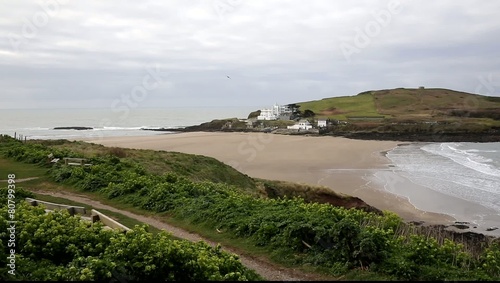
(20,180)
(263,267)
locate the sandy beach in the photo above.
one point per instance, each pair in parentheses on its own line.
(341,164)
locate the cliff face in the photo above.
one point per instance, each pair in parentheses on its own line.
(279,189)
(350,202)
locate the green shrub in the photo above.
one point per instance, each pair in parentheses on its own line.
(335,238)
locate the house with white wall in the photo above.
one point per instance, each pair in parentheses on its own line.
(322,123)
(267,114)
(301,125)
(275,113)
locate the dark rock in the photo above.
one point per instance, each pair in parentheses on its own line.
(73,128)
(460,226)
(164,129)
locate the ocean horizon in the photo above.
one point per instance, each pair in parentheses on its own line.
(40,123)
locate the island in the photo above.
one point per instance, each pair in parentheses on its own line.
(402,114)
(74,128)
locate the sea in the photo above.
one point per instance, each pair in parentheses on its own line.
(461,179)
(40,123)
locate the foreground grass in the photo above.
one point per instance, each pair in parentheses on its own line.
(244,246)
(59,247)
(321,237)
(241,246)
(21,170)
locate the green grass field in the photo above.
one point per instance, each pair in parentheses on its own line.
(195,167)
(409,104)
(340,107)
(21,170)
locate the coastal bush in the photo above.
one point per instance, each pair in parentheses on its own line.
(60,247)
(323,235)
(490,260)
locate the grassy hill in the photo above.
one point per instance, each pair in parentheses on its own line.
(434,115)
(409,104)
(419,114)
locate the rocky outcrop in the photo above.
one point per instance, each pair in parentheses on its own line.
(73,128)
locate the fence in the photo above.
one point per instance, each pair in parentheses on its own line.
(95,215)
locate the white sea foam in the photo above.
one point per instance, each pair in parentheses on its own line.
(464,170)
(477,150)
(464,157)
(118,128)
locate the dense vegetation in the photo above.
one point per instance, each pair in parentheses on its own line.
(57,246)
(334,239)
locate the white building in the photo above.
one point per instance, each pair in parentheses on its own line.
(274,113)
(321,123)
(267,114)
(301,125)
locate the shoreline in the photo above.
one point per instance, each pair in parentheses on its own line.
(340,164)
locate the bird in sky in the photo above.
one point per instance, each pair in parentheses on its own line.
(228,77)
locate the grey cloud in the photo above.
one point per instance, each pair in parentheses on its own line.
(90,52)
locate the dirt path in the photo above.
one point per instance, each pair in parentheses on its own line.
(263,267)
(20,180)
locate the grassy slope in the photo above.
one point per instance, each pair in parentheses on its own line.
(340,107)
(429,103)
(403,103)
(21,170)
(194,167)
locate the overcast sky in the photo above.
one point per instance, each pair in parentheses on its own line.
(176,53)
